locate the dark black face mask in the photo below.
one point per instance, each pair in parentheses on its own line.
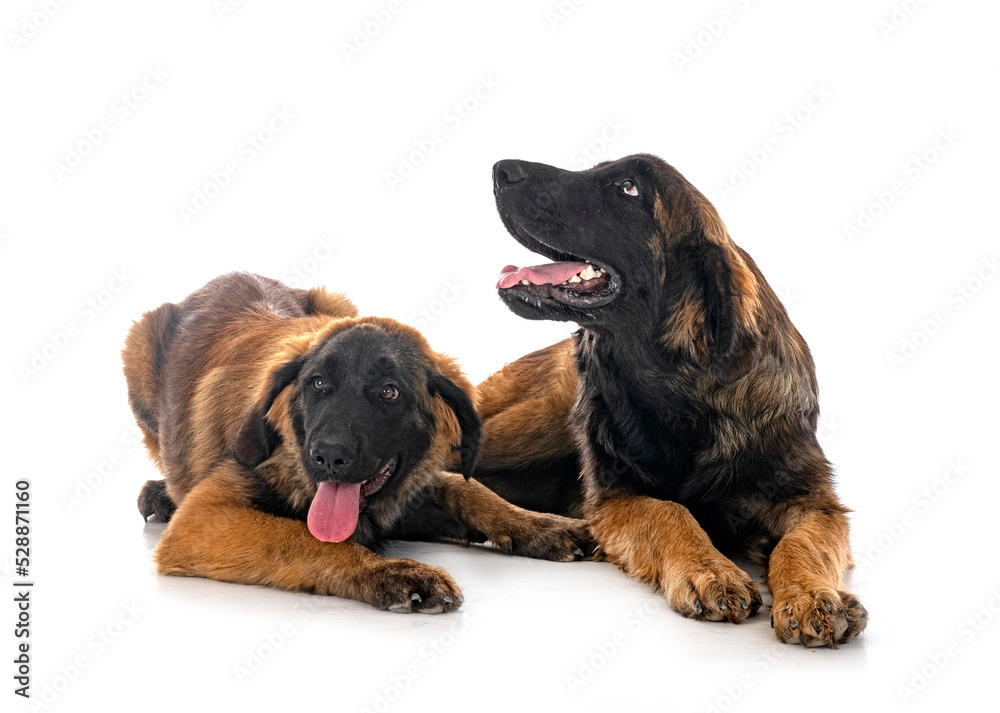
(363,418)
(585,221)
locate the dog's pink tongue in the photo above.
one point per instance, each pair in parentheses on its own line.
(333,515)
(554,273)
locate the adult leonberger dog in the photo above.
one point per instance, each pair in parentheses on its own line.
(686,403)
(296,437)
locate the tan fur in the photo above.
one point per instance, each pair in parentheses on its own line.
(507,526)
(659,542)
(239,333)
(806,576)
(532,420)
(142,371)
(215,534)
(746,283)
(753,391)
(683,328)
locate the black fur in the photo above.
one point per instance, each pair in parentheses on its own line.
(642,419)
(257,438)
(468,419)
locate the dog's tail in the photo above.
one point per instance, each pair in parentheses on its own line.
(144,355)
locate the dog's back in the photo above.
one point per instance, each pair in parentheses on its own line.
(190,366)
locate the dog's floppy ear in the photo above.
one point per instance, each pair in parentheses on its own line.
(468,419)
(732,337)
(257,438)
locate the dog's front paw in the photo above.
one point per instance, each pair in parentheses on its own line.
(821,617)
(712,589)
(405,586)
(549,537)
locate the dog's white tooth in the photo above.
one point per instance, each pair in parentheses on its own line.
(525,282)
(575,278)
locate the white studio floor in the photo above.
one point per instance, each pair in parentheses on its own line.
(532,635)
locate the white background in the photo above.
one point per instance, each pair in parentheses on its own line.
(573,85)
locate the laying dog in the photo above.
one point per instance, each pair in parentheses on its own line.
(296,437)
(686,402)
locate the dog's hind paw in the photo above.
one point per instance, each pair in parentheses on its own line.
(153,500)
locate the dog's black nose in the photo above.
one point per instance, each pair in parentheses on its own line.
(331,457)
(507,173)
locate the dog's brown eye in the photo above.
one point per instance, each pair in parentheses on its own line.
(628,187)
(319,383)
(389,392)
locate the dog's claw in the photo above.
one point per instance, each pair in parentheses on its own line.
(818,618)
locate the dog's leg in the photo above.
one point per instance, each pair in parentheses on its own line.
(661,543)
(214,534)
(519,531)
(805,573)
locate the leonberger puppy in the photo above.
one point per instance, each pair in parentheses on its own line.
(685,405)
(296,438)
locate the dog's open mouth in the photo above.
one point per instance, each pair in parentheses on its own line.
(571,281)
(333,515)
(375,483)
(575,284)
